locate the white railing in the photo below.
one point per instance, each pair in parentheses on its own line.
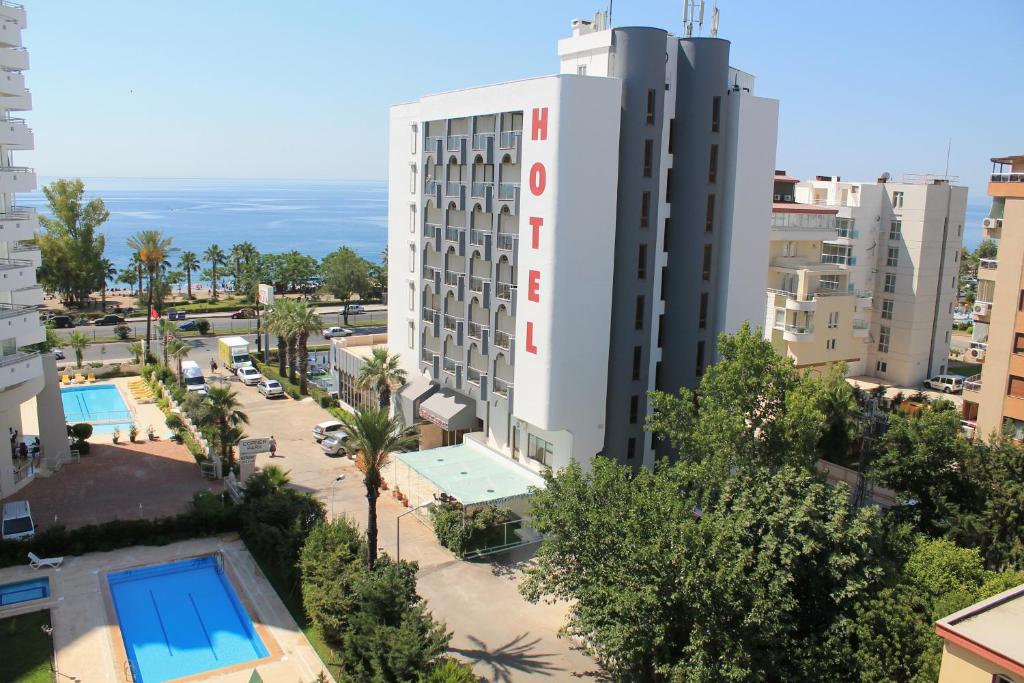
(430,230)
(973,383)
(504,291)
(477,236)
(454,140)
(429,272)
(15,358)
(480,140)
(479,189)
(1014,177)
(509,138)
(427,356)
(503,340)
(506,242)
(450,322)
(449,365)
(432,186)
(10,263)
(473,375)
(429,314)
(14,310)
(507,191)
(451,278)
(799,329)
(454,188)
(803,221)
(430,142)
(502,386)
(988,263)
(476,284)
(859,324)
(476,330)
(453,234)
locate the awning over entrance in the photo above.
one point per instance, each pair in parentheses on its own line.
(450,412)
(412,394)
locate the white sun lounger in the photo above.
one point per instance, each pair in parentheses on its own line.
(37,562)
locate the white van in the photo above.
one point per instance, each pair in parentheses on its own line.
(17,522)
(192,375)
(948,384)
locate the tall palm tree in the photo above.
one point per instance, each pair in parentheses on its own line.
(78,342)
(373,437)
(107,272)
(243,252)
(189,263)
(305,322)
(221,409)
(152,249)
(215,256)
(275,321)
(135,265)
(164,328)
(178,350)
(382,374)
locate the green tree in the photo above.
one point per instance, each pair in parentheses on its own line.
(268,481)
(69,242)
(277,322)
(382,373)
(178,350)
(275,526)
(108,273)
(373,437)
(305,322)
(221,410)
(152,250)
(215,256)
(135,349)
(164,328)
(189,263)
(78,342)
(344,273)
(995,523)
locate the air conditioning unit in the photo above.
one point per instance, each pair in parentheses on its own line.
(977,354)
(992,223)
(982,309)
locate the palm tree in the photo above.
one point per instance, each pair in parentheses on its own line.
(164,328)
(78,342)
(107,272)
(178,350)
(382,374)
(305,322)
(152,249)
(135,348)
(268,480)
(275,321)
(189,263)
(221,409)
(135,265)
(373,436)
(214,255)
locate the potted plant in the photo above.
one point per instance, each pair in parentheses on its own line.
(151,433)
(116,434)
(133,432)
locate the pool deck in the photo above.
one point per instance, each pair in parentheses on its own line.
(88,644)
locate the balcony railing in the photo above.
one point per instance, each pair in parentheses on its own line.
(839,259)
(509,138)
(473,375)
(429,272)
(477,236)
(803,221)
(502,386)
(429,314)
(432,186)
(1017,177)
(455,140)
(800,329)
(973,383)
(454,188)
(14,310)
(479,189)
(11,263)
(476,284)
(507,191)
(988,263)
(450,365)
(859,324)
(451,278)
(506,242)
(450,322)
(476,330)
(15,358)
(430,229)
(430,141)
(848,233)
(480,140)
(503,340)
(427,356)
(453,234)
(504,291)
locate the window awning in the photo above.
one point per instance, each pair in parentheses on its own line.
(449,412)
(417,388)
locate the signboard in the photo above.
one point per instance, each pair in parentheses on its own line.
(435,419)
(252,446)
(265,294)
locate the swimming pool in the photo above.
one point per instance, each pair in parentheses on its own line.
(98,404)
(23,591)
(181,619)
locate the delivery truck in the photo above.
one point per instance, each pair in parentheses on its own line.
(234,353)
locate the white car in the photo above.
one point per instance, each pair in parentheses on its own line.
(337,332)
(334,444)
(352,309)
(947,384)
(17,521)
(325,429)
(249,375)
(270,388)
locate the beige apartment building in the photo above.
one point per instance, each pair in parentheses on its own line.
(865,273)
(994,399)
(983,642)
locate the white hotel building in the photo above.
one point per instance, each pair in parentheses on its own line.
(23,375)
(562,245)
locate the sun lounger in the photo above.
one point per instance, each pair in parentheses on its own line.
(65,379)
(92,377)
(80,378)
(37,562)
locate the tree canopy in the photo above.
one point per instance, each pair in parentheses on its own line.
(70,243)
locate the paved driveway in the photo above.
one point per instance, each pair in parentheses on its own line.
(508,638)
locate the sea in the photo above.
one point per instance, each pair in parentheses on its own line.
(314,217)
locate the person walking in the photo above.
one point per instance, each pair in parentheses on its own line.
(213,366)
(273,446)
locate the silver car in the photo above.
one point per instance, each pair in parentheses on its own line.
(334,444)
(270,388)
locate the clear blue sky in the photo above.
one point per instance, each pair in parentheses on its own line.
(249,88)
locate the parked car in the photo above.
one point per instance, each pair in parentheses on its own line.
(270,388)
(109,319)
(947,384)
(334,444)
(61,321)
(58,354)
(17,521)
(188,326)
(352,309)
(337,332)
(249,375)
(173,314)
(325,429)
(243,314)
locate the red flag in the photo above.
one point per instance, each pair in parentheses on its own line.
(153,314)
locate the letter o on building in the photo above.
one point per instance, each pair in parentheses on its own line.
(538,179)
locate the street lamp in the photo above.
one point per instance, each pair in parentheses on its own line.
(48,630)
(340,477)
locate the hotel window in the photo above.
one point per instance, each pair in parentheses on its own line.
(892,258)
(716,112)
(634,409)
(829,282)
(706,271)
(897,200)
(648,157)
(830,344)
(652,98)
(883,339)
(702,318)
(581,70)
(412,296)
(709,214)
(638,354)
(645,209)
(881,366)
(890,283)
(661,330)
(1015,387)
(1018,342)
(833,320)
(638,322)
(1020,301)
(664,240)
(540,450)
(700,358)
(631,449)
(412,139)
(886,309)
(412,258)
(641,264)
(671,135)
(412,334)
(895,229)
(668,185)
(713,165)
(412,179)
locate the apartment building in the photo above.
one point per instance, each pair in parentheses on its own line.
(23,374)
(570,242)
(994,399)
(865,273)
(982,643)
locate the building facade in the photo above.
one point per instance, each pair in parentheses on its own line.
(982,643)
(994,400)
(568,243)
(866,273)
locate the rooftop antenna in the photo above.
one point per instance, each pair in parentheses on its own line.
(949,146)
(610,3)
(693,10)
(714,21)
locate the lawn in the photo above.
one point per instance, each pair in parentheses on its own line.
(956,367)
(25,648)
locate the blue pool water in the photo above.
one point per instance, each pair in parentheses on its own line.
(181,619)
(23,591)
(97,404)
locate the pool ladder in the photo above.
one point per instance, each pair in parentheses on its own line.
(129,671)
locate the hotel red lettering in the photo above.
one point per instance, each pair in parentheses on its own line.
(530,346)
(539,130)
(533,286)
(536,222)
(538,179)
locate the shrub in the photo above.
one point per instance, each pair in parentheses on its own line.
(460,530)
(328,402)
(450,671)
(82,447)
(275,526)
(174,422)
(203,326)
(82,431)
(94,364)
(122,331)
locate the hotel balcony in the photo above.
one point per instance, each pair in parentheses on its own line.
(476,330)
(18,225)
(803,226)
(803,263)
(798,333)
(987,268)
(1009,184)
(502,387)
(865,299)
(476,284)
(478,237)
(10,31)
(504,291)
(12,83)
(28,296)
(860,328)
(506,242)
(20,367)
(972,388)
(16,273)
(20,323)
(13,12)
(21,102)
(26,251)
(792,301)
(17,179)
(15,58)
(15,133)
